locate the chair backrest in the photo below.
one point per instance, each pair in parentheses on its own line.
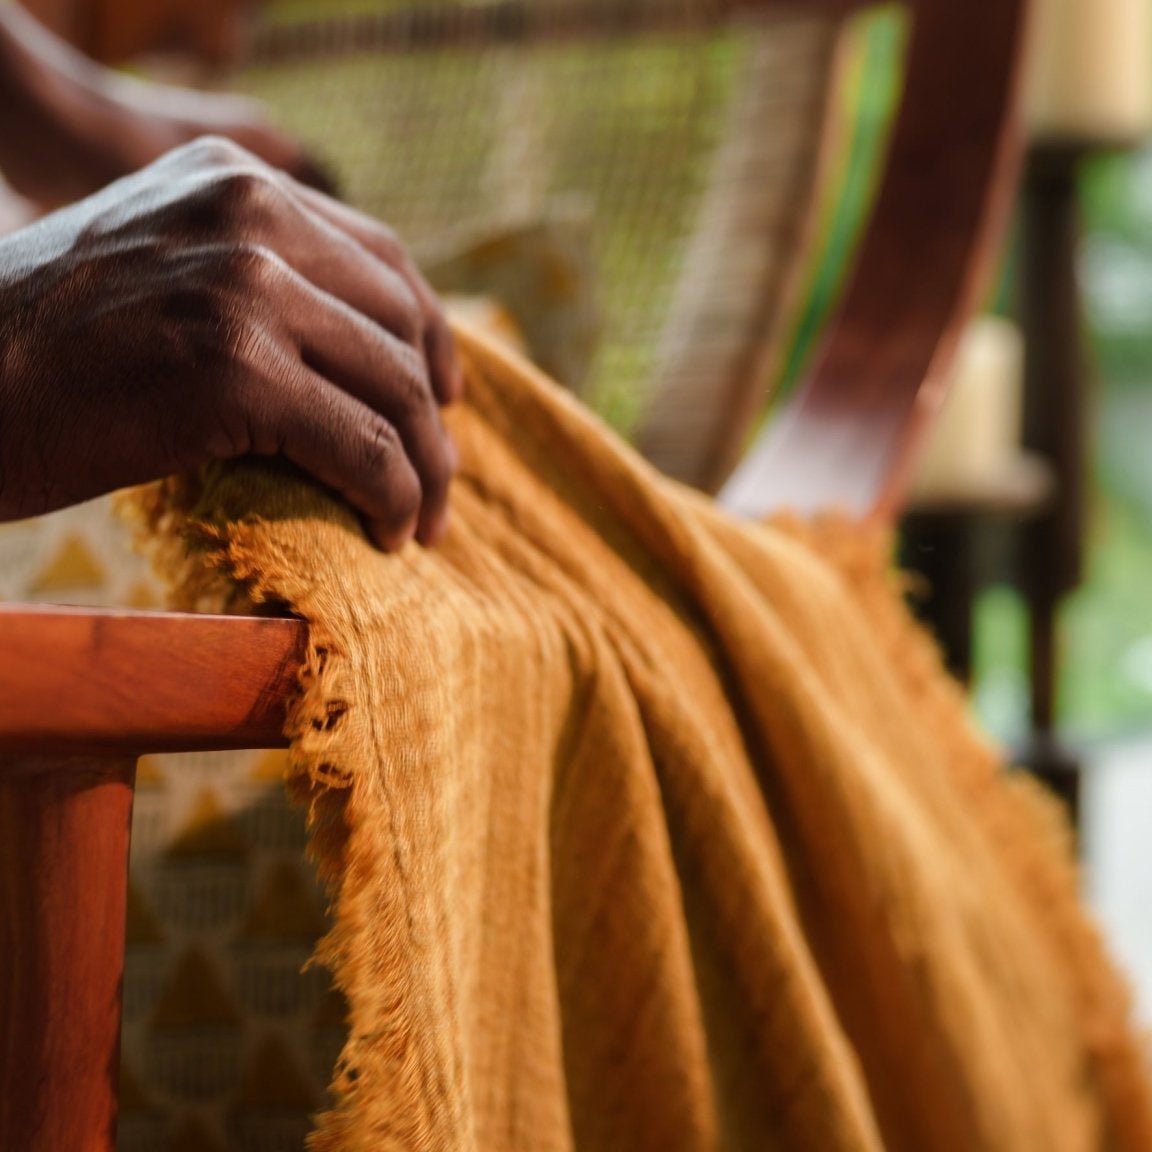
(637,181)
(848,437)
(71,736)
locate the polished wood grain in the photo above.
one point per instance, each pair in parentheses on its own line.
(64,827)
(81,680)
(849,437)
(113,684)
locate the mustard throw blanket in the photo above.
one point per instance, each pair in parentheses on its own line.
(648,830)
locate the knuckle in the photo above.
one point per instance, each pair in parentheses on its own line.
(408,321)
(216,152)
(411,385)
(380,446)
(383,460)
(224,284)
(248,189)
(250,267)
(242,198)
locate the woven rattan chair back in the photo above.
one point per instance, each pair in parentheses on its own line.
(655,164)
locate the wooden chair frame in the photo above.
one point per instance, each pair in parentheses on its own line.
(84,693)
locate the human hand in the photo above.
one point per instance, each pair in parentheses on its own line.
(208,307)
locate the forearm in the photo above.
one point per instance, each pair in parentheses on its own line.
(68,126)
(57,115)
(26,49)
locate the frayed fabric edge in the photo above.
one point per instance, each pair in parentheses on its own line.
(205,566)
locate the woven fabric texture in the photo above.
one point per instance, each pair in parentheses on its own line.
(650,830)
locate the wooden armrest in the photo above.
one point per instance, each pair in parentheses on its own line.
(104,681)
(848,437)
(82,693)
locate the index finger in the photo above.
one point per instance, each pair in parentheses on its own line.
(439,347)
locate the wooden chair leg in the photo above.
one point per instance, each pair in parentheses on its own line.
(64,833)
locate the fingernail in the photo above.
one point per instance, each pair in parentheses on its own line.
(389,538)
(408,534)
(431,535)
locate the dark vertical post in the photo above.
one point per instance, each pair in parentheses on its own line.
(1056,426)
(940,547)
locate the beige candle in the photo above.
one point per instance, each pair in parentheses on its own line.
(1090,70)
(976,437)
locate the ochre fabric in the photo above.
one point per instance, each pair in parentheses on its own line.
(648,830)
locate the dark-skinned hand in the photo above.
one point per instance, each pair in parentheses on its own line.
(208,307)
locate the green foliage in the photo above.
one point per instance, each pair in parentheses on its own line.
(1106,638)
(1116,193)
